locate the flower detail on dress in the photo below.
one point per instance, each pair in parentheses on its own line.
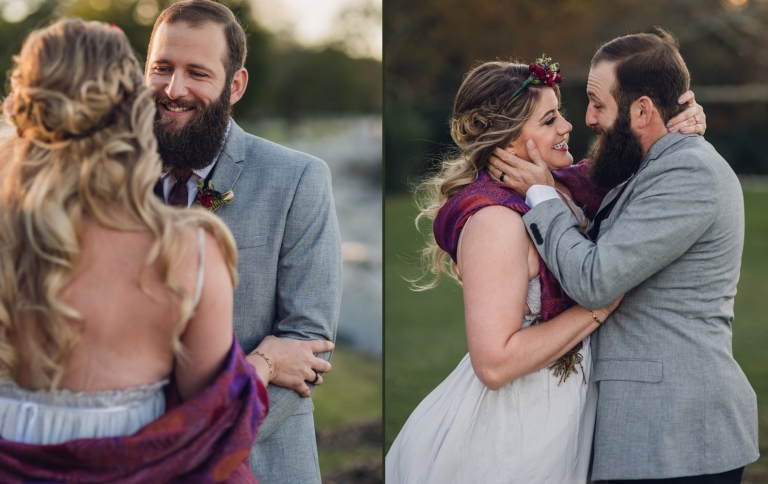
(210,199)
(566,364)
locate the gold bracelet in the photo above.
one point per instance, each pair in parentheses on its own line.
(257,352)
(595,317)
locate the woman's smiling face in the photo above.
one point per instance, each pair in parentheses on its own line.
(549,130)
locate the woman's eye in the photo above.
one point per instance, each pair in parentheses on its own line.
(550,121)
(596,106)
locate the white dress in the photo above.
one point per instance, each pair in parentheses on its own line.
(530,431)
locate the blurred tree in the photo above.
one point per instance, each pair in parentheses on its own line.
(429,46)
(323,81)
(14,29)
(136,18)
(284,80)
(353,28)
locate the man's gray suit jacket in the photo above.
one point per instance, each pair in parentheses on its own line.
(289,265)
(672,400)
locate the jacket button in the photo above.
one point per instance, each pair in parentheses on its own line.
(536,234)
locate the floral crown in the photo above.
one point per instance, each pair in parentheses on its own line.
(544,71)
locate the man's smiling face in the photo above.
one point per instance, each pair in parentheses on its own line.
(186,69)
(187,75)
(618,152)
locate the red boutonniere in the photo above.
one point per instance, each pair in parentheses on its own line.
(210,199)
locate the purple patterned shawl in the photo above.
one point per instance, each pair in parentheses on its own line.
(485,191)
(206,439)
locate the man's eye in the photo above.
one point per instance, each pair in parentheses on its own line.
(598,107)
(197,74)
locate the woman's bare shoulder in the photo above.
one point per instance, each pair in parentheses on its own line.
(495,219)
(496,230)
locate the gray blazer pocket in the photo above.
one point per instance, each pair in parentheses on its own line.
(246,242)
(648,371)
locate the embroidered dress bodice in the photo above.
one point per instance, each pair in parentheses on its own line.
(533,300)
(42,417)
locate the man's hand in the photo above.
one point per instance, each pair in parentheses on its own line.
(294,364)
(518,173)
(692,120)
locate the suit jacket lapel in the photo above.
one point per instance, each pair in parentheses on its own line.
(612,196)
(228,168)
(159,190)
(658,148)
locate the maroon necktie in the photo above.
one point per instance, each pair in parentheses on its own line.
(179,194)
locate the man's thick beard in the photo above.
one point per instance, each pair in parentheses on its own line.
(194,145)
(616,155)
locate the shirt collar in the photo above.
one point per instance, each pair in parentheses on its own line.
(204,172)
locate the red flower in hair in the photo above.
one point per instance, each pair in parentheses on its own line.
(543,71)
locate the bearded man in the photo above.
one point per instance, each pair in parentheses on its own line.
(673,404)
(280,210)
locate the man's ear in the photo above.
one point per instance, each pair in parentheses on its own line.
(239,83)
(641,112)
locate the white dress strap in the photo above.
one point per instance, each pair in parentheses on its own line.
(200,271)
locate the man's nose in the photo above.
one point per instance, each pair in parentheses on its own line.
(590,119)
(176,87)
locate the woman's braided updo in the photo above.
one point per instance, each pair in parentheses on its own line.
(485,117)
(83,148)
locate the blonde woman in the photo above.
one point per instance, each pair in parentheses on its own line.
(518,408)
(107,294)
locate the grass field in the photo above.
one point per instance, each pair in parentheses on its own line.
(348,413)
(424,336)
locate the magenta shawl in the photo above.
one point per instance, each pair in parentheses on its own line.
(485,191)
(204,440)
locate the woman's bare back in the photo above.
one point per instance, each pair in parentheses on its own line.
(125,332)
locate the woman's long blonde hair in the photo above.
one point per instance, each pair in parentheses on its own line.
(83,148)
(485,117)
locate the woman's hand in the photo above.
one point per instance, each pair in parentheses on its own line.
(692,120)
(606,311)
(293,362)
(520,174)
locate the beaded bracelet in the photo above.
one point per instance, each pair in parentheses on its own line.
(256,352)
(593,317)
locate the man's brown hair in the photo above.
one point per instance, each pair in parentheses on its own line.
(647,65)
(199,12)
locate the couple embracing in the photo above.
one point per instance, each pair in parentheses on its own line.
(598,296)
(126,353)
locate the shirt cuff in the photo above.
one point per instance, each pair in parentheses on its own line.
(539,193)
